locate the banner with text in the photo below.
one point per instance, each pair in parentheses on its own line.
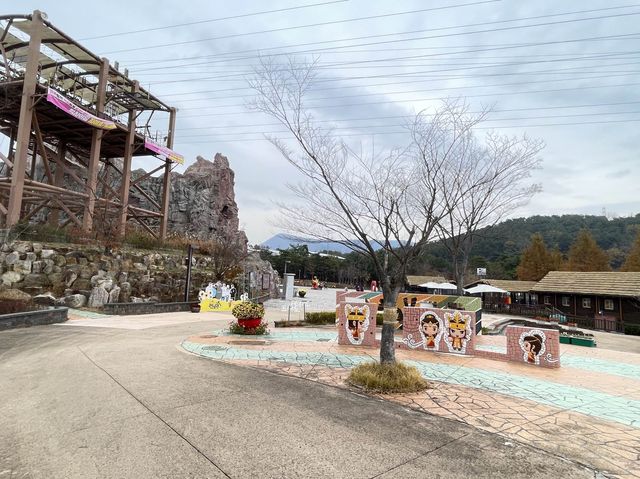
(163,151)
(66,105)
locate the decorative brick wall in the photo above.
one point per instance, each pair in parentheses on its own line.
(536,346)
(357,324)
(444,330)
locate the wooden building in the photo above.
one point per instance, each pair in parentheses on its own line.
(609,294)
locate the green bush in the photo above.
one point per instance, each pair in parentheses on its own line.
(329,317)
(387,378)
(632,329)
(321,317)
(379,319)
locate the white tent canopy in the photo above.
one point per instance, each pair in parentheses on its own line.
(433,285)
(485,288)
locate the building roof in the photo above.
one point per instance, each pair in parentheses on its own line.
(416,280)
(606,283)
(510,285)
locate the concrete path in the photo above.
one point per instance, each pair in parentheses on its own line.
(112,402)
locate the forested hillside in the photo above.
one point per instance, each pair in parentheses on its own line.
(498,248)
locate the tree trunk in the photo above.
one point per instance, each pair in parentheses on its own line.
(390,318)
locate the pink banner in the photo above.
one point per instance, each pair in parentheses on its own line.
(62,102)
(163,151)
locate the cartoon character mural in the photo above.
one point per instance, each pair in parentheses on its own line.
(533,345)
(357,322)
(458,331)
(431,330)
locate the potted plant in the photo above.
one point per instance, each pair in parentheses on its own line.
(249,315)
(195,307)
(302,293)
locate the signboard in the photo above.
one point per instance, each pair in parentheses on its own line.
(266,281)
(163,151)
(481,271)
(58,99)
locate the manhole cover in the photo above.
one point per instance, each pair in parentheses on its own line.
(214,348)
(323,340)
(250,343)
(208,336)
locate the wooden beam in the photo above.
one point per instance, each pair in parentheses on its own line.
(69,213)
(126,167)
(54,215)
(146,175)
(166,181)
(24,121)
(42,148)
(94,155)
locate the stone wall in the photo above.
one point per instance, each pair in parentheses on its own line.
(79,275)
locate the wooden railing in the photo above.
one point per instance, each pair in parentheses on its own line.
(599,323)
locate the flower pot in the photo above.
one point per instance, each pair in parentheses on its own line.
(250,323)
(195,307)
(302,294)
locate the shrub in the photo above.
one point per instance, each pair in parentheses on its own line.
(236,328)
(329,317)
(248,310)
(321,317)
(387,378)
(632,329)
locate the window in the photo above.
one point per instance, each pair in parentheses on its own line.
(586,303)
(608,304)
(534,298)
(547,300)
(566,301)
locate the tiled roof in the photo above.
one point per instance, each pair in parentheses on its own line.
(416,280)
(607,283)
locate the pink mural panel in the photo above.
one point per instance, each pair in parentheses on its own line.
(535,346)
(357,324)
(443,330)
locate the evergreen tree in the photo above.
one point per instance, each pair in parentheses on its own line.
(586,255)
(632,263)
(536,261)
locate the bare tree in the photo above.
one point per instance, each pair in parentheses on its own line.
(384,206)
(485,182)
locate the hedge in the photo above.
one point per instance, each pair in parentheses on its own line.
(329,317)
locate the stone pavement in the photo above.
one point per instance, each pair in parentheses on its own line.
(588,410)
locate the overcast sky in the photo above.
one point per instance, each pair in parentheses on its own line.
(567,72)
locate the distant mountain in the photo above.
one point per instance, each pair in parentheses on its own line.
(283,241)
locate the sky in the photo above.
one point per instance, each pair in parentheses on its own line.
(566,72)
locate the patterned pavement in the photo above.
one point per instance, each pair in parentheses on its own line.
(588,410)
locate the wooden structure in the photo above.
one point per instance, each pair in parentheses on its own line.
(82,121)
(605,294)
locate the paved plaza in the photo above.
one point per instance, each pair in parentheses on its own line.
(174,395)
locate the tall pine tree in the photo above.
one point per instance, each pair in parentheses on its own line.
(536,261)
(586,255)
(632,263)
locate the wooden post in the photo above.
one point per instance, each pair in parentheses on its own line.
(54,214)
(94,156)
(166,183)
(24,121)
(126,169)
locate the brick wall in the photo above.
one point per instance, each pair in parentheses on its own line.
(536,346)
(444,330)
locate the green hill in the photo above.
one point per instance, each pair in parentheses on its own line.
(498,247)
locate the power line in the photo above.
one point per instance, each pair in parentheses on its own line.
(463,87)
(404,125)
(607,37)
(404,132)
(177,25)
(403,33)
(507,110)
(311,25)
(430,99)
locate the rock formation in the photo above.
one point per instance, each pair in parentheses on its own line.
(202,202)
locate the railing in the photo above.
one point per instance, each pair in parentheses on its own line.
(600,323)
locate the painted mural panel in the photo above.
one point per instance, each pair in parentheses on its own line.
(356,324)
(459,332)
